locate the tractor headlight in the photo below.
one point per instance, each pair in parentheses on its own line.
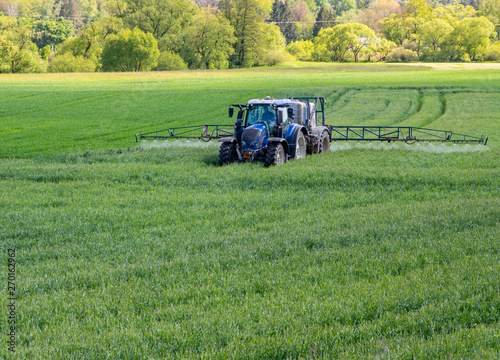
(243,143)
(253,143)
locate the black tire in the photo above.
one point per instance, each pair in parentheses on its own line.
(227,153)
(275,155)
(324,142)
(300,147)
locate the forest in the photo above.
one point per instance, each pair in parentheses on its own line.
(144,35)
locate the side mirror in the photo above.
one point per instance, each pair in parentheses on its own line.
(290,113)
(231,112)
(240,115)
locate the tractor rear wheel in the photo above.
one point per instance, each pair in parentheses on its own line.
(227,153)
(275,155)
(300,147)
(324,142)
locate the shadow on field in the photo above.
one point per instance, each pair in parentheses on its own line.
(211,160)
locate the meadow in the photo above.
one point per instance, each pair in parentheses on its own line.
(149,250)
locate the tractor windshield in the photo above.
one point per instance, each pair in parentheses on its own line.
(263,114)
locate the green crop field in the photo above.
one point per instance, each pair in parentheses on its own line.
(131,250)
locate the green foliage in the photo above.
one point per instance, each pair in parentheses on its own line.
(52,31)
(165,19)
(418,8)
(342,6)
(378,10)
(282,14)
(274,57)
(90,40)
(18,54)
(302,49)
(170,61)
(434,33)
(492,52)
(472,36)
(325,19)
(67,62)
(334,43)
(380,48)
(208,43)
(402,54)
(454,13)
(491,9)
(130,50)
(248,23)
(393,29)
(273,51)
(45,52)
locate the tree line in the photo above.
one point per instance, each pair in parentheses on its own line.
(143,35)
(416,31)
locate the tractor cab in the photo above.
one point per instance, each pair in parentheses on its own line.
(262,114)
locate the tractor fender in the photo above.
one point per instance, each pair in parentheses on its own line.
(291,137)
(227,140)
(317,131)
(281,141)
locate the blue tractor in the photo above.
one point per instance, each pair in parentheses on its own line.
(275,130)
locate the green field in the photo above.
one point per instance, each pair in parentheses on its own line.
(151,251)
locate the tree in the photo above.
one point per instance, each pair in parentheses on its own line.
(472,36)
(418,8)
(282,14)
(273,51)
(377,11)
(325,19)
(471,3)
(392,28)
(342,6)
(52,31)
(433,33)
(453,13)
(17,52)
(248,23)
(209,41)
(130,50)
(89,41)
(398,29)
(303,15)
(336,42)
(381,47)
(362,37)
(165,19)
(491,9)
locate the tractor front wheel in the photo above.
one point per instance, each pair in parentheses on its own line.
(300,147)
(227,153)
(275,155)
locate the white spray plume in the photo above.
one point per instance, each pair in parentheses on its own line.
(422,147)
(337,146)
(178,144)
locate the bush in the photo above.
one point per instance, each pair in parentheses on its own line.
(69,63)
(492,52)
(276,56)
(170,61)
(302,49)
(402,54)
